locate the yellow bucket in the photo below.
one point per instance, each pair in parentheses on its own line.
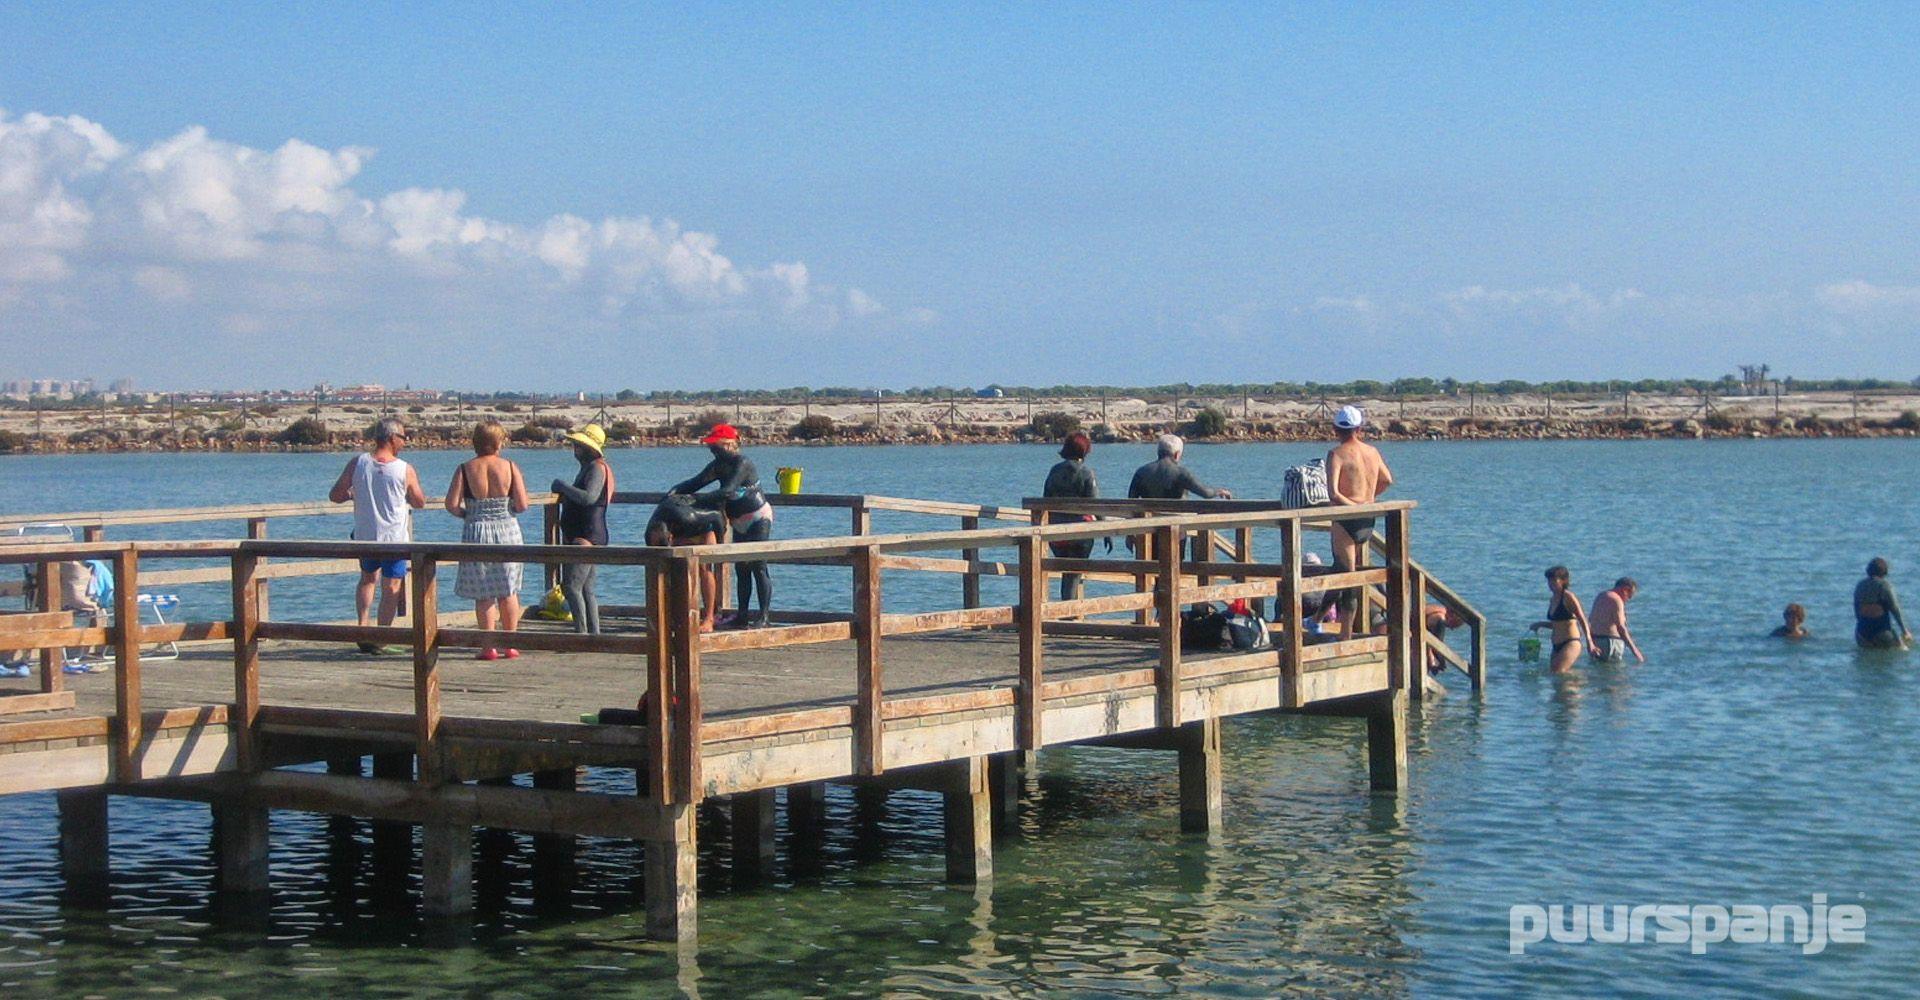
(789,479)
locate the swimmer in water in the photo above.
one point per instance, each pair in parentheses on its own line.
(1877,621)
(1611,639)
(1567,620)
(1795,627)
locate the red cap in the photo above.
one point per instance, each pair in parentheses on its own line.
(721,432)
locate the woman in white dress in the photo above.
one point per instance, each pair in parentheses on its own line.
(486,492)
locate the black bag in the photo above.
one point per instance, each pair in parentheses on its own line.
(1203,629)
(1248,632)
(1306,486)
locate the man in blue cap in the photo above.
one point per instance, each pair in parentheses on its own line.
(1356,474)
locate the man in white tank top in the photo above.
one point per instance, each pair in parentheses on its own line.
(384,491)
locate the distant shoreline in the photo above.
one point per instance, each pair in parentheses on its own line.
(979,421)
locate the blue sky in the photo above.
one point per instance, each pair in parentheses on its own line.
(914,194)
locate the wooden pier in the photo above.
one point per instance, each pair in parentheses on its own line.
(264,713)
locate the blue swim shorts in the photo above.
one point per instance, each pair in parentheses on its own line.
(392,569)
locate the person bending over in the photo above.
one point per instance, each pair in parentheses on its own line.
(678,522)
(737,494)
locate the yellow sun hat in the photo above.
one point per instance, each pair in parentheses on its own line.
(591,436)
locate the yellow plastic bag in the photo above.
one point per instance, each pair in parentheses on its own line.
(553,607)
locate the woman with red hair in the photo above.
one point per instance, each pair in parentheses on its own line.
(1071,477)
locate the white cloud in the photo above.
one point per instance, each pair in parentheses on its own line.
(1860,297)
(240,239)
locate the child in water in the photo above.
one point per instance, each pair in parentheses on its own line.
(1796,623)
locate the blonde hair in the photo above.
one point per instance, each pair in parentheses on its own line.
(488,436)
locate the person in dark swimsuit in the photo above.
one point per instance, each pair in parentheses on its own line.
(583,521)
(738,495)
(676,521)
(1566,618)
(1877,621)
(1070,477)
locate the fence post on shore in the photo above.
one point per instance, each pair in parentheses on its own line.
(1293,638)
(1031,617)
(1166,675)
(126,655)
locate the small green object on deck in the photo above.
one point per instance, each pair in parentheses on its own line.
(590,718)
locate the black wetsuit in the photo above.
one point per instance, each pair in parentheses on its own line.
(1166,479)
(1070,477)
(738,495)
(583,517)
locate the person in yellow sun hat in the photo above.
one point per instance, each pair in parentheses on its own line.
(583,521)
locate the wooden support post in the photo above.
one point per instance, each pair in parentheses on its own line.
(657,778)
(862,518)
(257,528)
(1144,616)
(554,853)
(446,869)
(1166,676)
(671,879)
(1203,553)
(867,732)
(806,814)
(426,672)
(83,837)
(1028,697)
(126,673)
(970,581)
(349,766)
(752,833)
(1003,784)
(1416,626)
(1200,776)
(1243,552)
(47,584)
(969,821)
(392,840)
(240,843)
(684,592)
(1477,631)
(1400,645)
(247,596)
(1293,639)
(1387,742)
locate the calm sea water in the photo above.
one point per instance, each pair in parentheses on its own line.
(1727,769)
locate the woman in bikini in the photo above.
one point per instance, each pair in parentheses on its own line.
(1567,619)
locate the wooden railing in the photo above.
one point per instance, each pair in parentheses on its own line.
(1425,586)
(1161,575)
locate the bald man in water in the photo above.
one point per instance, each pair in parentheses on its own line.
(1356,474)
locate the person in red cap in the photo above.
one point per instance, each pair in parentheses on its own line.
(737,494)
